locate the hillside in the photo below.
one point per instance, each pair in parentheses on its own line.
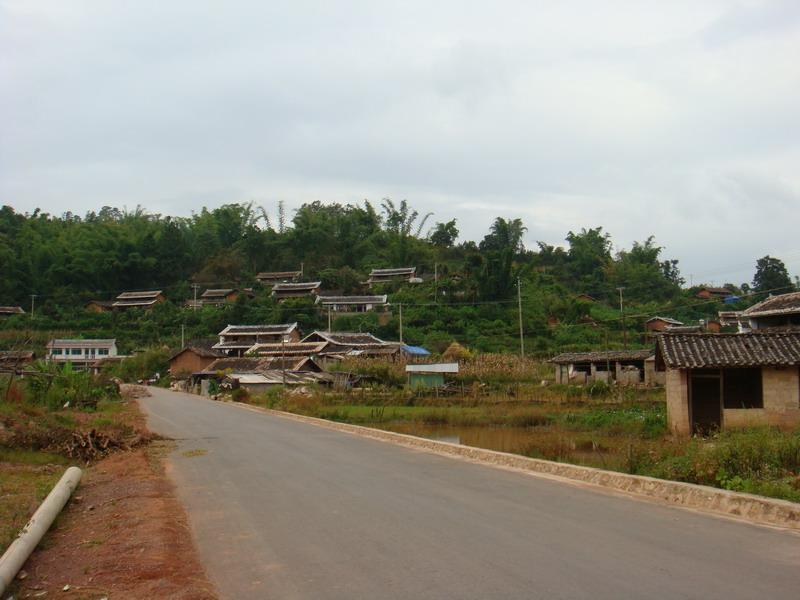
(468,292)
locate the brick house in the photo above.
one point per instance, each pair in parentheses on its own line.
(729,380)
(196,356)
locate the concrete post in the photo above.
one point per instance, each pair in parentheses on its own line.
(22,547)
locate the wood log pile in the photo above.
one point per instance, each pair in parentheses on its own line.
(92,445)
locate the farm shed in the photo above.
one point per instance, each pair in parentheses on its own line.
(622,366)
(429,376)
(729,380)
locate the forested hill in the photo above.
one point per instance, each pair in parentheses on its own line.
(67,260)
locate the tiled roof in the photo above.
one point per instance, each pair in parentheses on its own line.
(283,328)
(393,272)
(99,343)
(288,348)
(218,293)
(717,350)
(568,358)
(139,295)
(351,299)
(306,286)
(346,338)
(669,320)
(11,310)
(278,274)
(775,305)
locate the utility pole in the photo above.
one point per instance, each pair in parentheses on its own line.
(622,315)
(400,308)
(329,319)
(183,335)
(283,359)
(519,307)
(194,305)
(33,301)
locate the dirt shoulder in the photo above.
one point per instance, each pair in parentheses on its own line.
(123,535)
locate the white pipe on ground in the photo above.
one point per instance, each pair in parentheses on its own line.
(22,547)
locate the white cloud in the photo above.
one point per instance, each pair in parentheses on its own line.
(675,119)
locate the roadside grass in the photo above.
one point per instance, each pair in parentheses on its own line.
(34,432)
(23,486)
(628,436)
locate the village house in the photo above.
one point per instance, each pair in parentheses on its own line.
(730,380)
(339,344)
(709,293)
(273,277)
(195,356)
(353,304)
(257,374)
(99,306)
(625,367)
(235,340)
(776,311)
(10,311)
(127,300)
(219,297)
(82,354)
(407,274)
(283,291)
(660,324)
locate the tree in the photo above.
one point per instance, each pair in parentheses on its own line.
(444,234)
(589,257)
(771,275)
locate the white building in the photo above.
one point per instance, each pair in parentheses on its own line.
(81,353)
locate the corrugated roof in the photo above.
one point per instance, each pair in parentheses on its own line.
(568,358)
(775,305)
(11,310)
(717,350)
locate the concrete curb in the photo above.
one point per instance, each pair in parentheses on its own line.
(22,547)
(749,507)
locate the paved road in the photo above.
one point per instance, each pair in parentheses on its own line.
(282,509)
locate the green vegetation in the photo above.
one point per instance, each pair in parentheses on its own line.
(39,418)
(69,260)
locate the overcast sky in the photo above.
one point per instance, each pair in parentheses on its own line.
(674,119)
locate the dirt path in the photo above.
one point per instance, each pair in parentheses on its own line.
(124,535)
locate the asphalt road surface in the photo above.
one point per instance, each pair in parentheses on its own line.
(282,509)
